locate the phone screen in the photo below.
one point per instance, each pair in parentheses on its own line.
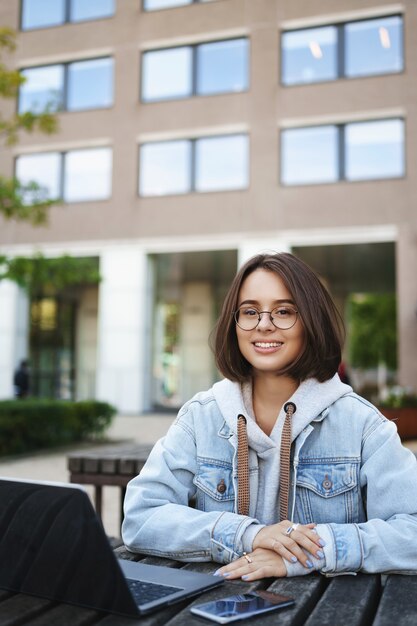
(241,606)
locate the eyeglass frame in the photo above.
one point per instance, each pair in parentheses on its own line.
(270,317)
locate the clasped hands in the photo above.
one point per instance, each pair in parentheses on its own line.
(273,544)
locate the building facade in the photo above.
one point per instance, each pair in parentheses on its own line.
(191,136)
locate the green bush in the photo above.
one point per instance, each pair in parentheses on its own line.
(31,424)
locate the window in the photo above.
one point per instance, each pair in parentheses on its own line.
(154,5)
(77,176)
(360,48)
(73,87)
(204,69)
(374,150)
(45,13)
(355,151)
(309,155)
(187,165)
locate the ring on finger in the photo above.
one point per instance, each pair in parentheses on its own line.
(247,557)
(291,528)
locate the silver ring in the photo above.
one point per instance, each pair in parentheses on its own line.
(247,557)
(291,528)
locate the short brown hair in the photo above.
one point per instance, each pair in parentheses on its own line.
(322,322)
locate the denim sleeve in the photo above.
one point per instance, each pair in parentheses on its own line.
(158,519)
(389,486)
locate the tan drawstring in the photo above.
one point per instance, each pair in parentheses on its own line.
(242,467)
(284,468)
(243,464)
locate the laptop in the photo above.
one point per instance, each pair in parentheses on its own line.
(53,545)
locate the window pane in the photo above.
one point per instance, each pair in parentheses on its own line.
(88,175)
(374,46)
(90,84)
(222,66)
(309,55)
(42,90)
(309,155)
(43,169)
(166,74)
(165,168)
(374,150)
(222,163)
(90,10)
(152,5)
(40,13)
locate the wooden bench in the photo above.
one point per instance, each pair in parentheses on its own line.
(107,465)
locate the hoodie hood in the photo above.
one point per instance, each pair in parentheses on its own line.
(311,398)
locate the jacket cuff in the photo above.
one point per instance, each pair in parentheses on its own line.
(226,536)
(343,550)
(249,535)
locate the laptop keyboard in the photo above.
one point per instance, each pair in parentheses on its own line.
(147,592)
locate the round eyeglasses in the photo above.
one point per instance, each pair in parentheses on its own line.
(248,317)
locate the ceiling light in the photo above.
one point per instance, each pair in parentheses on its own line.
(315,50)
(384,37)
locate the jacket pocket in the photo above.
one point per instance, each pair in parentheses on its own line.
(214,482)
(327,491)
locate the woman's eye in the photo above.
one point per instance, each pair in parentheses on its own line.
(249,312)
(283,312)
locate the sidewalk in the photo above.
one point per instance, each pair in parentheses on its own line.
(53,465)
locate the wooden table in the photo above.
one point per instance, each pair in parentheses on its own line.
(107,465)
(340,601)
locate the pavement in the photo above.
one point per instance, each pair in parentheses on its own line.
(52,464)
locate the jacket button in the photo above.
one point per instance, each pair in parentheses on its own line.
(221,487)
(327,483)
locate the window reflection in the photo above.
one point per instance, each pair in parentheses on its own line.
(46,13)
(309,155)
(43,169)
(374,150)
(75,86)
(222,66)
(42,89)
(361,48)
(81,10)
(153,5)
(90,84)
(165,168)
(205,164)
(309,55)
(42,13)
(167,74)
(374,47)
(87,175)
(221,163)
(209,68)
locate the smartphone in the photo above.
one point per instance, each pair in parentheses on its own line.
(241,606)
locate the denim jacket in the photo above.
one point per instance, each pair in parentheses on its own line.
(350,475)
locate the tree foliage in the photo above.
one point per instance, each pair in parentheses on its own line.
(38,275)
(14,195)
(373,330)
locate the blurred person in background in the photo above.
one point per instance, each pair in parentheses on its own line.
(21,380)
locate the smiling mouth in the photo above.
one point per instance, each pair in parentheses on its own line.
(269,344)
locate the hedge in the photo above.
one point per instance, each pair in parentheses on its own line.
(30,424)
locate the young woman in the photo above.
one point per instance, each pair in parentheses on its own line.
(288,470)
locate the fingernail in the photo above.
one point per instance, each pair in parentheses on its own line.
(294,559)
(245,577)
(322,542)
(309,563)
(226,574)
(217,572)
(320,554)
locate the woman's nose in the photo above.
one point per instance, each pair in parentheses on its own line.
(265,322)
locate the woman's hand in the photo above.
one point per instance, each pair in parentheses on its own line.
(260,563)
(292,546)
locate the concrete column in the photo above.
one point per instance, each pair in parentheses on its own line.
(406,252)
(14,324)
(251,247)
(123,329)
